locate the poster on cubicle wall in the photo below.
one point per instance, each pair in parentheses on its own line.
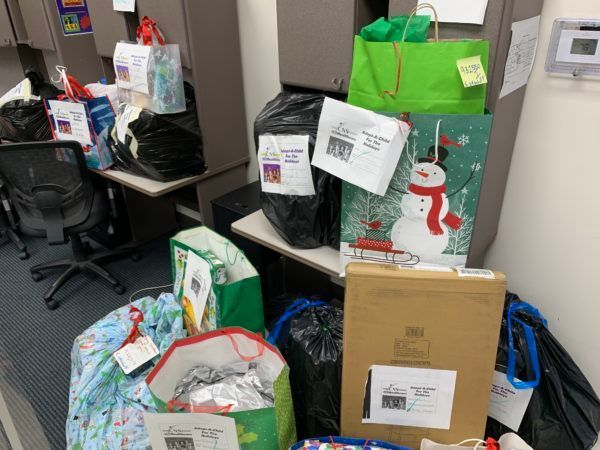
(74,17)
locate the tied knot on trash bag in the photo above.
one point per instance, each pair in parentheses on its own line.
(137,317)
(147,29)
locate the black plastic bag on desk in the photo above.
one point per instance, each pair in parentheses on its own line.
(303,221)
(164,147)
(309,336)
(564,411)
(26,120)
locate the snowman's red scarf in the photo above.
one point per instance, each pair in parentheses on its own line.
(433,221)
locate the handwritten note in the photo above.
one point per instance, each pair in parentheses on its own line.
(471,71)
(136,354)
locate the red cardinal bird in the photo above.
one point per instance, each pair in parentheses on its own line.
(376,225)
(445,142)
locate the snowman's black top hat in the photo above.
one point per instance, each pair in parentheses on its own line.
(442,155)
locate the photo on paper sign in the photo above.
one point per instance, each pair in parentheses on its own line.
(393,402)
(197,285)
(64,127)
(272,173)
(123,73)
(180,443)
(339,149)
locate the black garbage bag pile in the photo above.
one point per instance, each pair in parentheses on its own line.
(163,147)
(25,121)
(309,335)
(303,221)
(564,411)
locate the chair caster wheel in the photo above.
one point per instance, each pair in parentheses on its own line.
(119,289)
(51,304)
(36,276)
(135,257)
(23,255)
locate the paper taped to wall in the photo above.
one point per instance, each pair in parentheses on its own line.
(457,11)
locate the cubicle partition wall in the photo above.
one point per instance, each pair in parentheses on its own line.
(208,38)
(315,51)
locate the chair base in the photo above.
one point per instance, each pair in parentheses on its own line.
(81,262)
(11,235)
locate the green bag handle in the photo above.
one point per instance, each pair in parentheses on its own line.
(395,44)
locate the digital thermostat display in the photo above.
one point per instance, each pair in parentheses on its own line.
(575,47)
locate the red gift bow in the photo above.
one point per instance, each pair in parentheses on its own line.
(135,332)
(146,29)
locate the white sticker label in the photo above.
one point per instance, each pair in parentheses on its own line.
(359,146)
(284,165)
(70,122)
(427,268)
(411,397)
(136,354)
(124,5)
(131,66)
(196,284)
(127,115)
(180,259)
(475,273)
(507,403)
(191,432)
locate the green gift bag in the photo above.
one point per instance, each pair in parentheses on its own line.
(235,297)
(272,428)
(416,77)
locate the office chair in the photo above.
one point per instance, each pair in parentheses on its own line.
(7,230)
(52,191)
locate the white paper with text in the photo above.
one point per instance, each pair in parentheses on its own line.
(457,11)
(131,66)
(70,122)
(507,403)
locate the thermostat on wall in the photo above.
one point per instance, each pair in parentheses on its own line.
(574,47)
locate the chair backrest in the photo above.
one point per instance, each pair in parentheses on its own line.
(49,185)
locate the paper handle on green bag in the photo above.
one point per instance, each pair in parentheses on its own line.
(397,50)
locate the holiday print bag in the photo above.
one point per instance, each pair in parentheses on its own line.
(428,211)
(420,77)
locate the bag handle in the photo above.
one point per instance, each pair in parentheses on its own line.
(148,28)
(397,50)
(531,344)
(74,91)
(172,404)
(292,310)
(259,345)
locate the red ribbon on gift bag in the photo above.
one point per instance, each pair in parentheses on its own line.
(148,28)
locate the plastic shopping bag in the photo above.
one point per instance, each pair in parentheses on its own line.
(228,283)
(416,77)
(106,406)
(270,428)
(564,410)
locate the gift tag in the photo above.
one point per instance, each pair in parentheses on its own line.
(136,354)
(471,71)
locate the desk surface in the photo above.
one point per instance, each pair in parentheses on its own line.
(146,185)
(257,228)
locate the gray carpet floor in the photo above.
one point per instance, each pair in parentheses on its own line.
(37,342)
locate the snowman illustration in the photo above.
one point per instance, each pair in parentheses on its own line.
(426,216)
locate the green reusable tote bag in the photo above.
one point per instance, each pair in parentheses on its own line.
(236,294)
(416,77)
(272,428)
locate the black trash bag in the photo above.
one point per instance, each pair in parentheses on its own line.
(22,121)
(564,411)
(169,146)
(303,221)
(309,336)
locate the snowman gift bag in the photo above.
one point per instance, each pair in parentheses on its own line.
(428,211)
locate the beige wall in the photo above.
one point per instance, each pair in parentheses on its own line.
(549,238)
(260,61)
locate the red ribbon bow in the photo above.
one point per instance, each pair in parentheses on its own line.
(137,317)
(146,29)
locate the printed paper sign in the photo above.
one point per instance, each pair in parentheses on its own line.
(74,17)
(191,432)
(410,397)
(456,11)
(124,5)
(131,66)
(70,122)
(471,71)
(180,260)
(285,165)
(136,354)
(521,55)
(196,284)
(359,146)
(507,403)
